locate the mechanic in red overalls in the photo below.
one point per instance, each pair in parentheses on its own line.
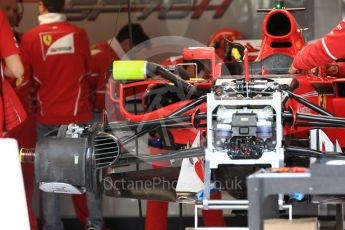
(56,57)
(323,53)
(103,54)
(25,133)
(9,53)
(13,14)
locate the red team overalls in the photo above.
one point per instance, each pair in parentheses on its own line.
(323,51)
(8,46)
(58,100)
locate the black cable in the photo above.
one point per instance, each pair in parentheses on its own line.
(53,131)
(111,40)
(130,24)
(181,216)
(130,35)
(153,69)
(115,27)
(141,220)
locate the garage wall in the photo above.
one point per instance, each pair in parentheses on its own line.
(101,18)
(320,17)
(327,15)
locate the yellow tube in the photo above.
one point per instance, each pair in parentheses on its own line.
(129,70)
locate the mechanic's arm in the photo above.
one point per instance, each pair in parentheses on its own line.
(14,66)
(9,50)
(27,59)
(322,52)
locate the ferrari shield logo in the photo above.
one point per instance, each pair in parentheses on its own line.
(47,39)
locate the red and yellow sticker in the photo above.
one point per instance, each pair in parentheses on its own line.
(47,39)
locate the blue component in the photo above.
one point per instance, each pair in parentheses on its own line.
(157,143)
(297,196)
(200,194)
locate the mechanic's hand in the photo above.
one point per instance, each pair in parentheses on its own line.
(315,71)
(332,69)
(293,70)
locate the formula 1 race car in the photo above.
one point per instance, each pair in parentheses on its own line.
(241,115)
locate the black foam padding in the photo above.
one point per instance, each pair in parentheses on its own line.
(274,64)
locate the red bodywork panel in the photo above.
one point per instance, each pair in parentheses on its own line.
(203,53)
(326,92)
(287,39)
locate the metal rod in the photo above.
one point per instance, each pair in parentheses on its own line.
(155,122)
(227,202)
(185,153)
(300,151)
(315,118)
(181,126)
(339,217)
(288,9)
(320,118)
(175,126)
(309,104)
(181,217)
(195,217)
(318,125)
(178,112)
(130,35)
(288,207)
(219,207)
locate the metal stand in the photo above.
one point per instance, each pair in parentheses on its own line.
(339,218)
(263,190)
(214,157)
